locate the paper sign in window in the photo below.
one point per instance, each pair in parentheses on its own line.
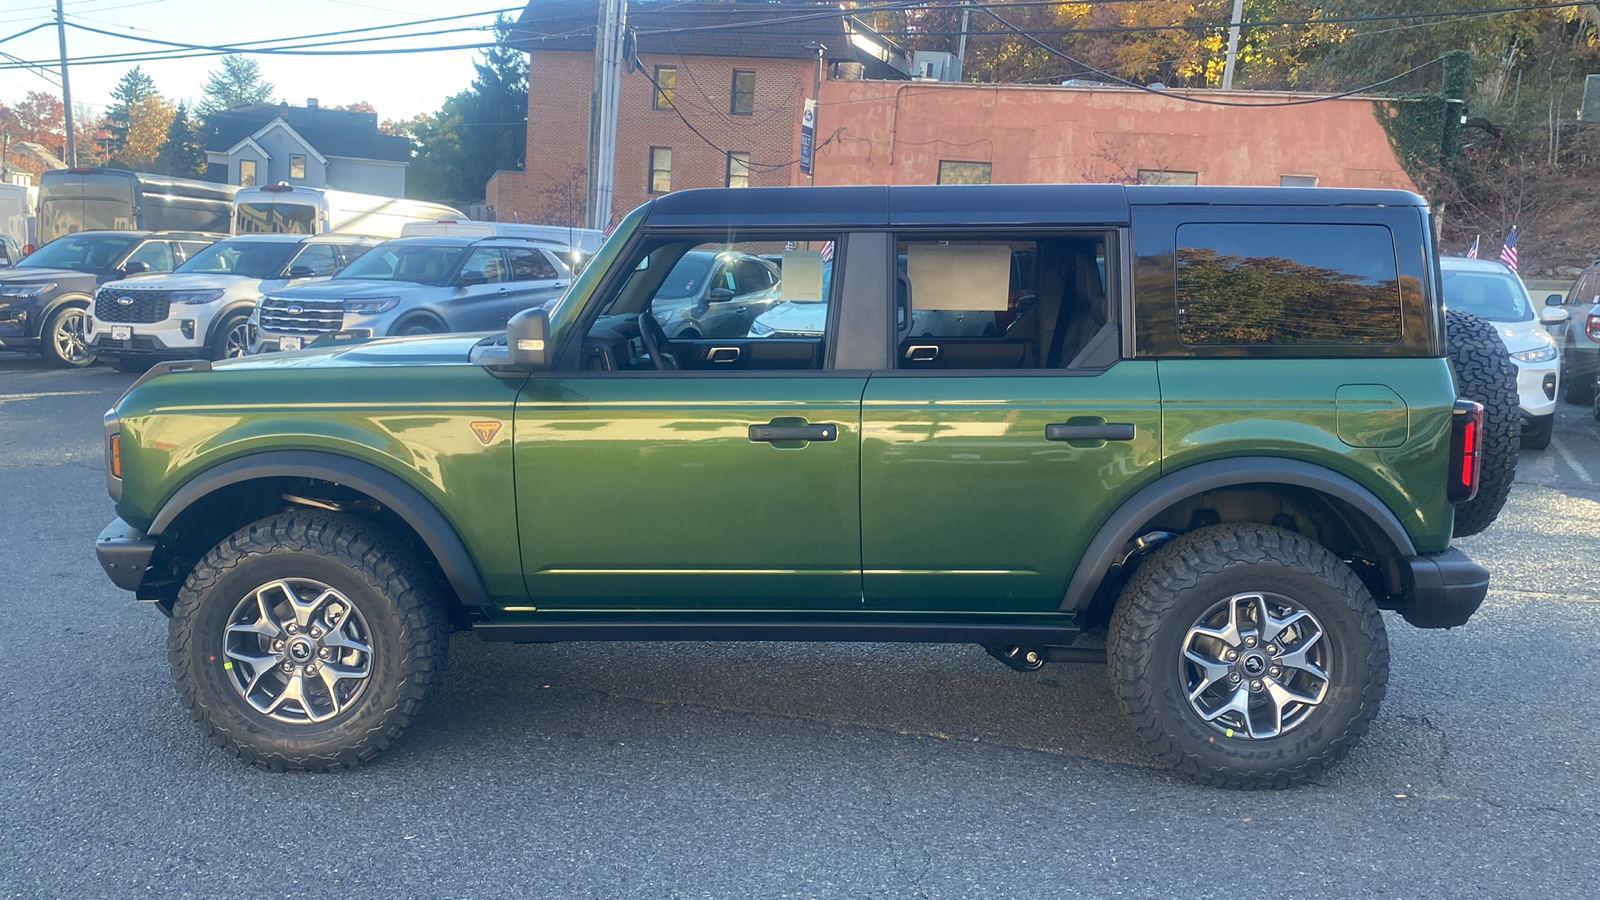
(959,276)
(802,275)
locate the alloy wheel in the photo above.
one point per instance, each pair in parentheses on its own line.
(1255,666)
(69,337)
(298,651)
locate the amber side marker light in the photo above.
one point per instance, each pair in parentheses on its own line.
(116,456)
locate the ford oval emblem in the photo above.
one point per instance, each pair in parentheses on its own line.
(124,300)
(294,309)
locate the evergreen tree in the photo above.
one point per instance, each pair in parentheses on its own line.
(478,131)
(184,153)
(237,83)
(133,88)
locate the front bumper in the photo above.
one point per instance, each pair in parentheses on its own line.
(124,552)
(155,339)
(1536,387)
(1443,590)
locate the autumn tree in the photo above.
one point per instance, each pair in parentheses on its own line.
(133,87)
(148,120)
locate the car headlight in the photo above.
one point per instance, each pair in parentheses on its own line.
(1542,354)
(196,297)
(26,291)
(371,306)
(760,329)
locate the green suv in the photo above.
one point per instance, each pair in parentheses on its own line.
(1218,423)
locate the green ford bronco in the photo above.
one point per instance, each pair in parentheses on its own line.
(1218,424)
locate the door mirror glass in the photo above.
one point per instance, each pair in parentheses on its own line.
(1553,300)
(528,340)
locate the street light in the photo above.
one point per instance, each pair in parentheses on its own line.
(816,91)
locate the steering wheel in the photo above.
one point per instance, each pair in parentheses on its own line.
(655,342)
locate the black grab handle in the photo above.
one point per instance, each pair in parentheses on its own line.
(1112,431)
(768,433)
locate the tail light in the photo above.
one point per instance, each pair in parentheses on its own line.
(28,248)
(1593,327)
(1466,450)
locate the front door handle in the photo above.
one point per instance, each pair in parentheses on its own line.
(766,434)
(1110,431)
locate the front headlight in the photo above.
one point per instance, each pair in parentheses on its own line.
(195,297)
(1542,354)
(26,291)
(759,329)
(371,306)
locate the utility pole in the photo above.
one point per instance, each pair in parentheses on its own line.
(66,88)
(603,111)
(1233,45)
(961,46)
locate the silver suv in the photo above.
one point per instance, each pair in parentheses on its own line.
(1580,336)
(421,285)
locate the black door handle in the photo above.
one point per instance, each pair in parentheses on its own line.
(1112,431)
(768,433)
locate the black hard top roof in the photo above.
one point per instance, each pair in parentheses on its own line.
(978,204)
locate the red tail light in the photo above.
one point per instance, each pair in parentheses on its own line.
(1593,327)
(28,248)
(1466,450)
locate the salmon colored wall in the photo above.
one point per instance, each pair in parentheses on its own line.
(883,132)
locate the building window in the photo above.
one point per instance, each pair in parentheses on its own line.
(1163,176)
(1297,181)
(247,172)
(666,87)
(738,169)
(957,172)
(660,170)
(297,166)
(744,92)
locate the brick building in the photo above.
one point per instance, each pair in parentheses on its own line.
(738,92)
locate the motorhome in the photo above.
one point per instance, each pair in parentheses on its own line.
(16,219)
(95,199)
(293,209)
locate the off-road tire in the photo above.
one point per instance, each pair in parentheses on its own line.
(408,639)
(1484,372)
(1177,584)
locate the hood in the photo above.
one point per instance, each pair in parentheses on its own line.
(187,282)
(422,350)
(26,275)
(349,289)
(1524,335)
(797,317)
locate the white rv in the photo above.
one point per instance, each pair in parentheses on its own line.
(292,209)
(16,219)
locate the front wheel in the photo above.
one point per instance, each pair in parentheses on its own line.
(1248,656)
(306,642)
(232,339)
(64,340)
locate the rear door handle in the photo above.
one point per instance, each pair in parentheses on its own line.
(764,434)
(1111,431)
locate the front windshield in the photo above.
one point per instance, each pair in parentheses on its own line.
(86,253)
(418,263)
(1497,296)
(686,279)
(251,259)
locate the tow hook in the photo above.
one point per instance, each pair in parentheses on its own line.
(1023,659)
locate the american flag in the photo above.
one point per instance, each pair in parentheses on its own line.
(1508,253)
(611,225)
(827,251)
(1472,252)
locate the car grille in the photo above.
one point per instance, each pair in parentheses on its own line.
(301,316)
(142,306)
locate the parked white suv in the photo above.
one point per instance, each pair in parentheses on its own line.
(1489,289)
(202,307)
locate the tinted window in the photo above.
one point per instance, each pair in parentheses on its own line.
(190,248)
(155,254)
(1241,284)
(275,218)
(530,265)
(251,259)
(84,253)
(1497,296)
(486,261)
(319,258)
(418,263)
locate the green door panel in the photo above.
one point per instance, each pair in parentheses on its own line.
(1220,408)
(965,506)
(647,492)
(1370,416)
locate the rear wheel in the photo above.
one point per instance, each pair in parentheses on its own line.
(1483,372)
(64,340)
(1577,381)
(419,326)
(1248,656)
(306,642)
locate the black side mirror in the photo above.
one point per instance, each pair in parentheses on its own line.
(302,272)
(134,267)
(528,340)
(1553,300)
(719,295)
(471,279)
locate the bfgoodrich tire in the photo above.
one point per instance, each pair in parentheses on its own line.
(1483,372)
(306,642)
(1248,656)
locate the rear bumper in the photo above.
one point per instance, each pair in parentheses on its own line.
(124,552)
(1443,590)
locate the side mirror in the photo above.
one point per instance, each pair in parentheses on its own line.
(1553,299)
(1553,315)
(719,295)
(528,339)
(471,279)
(302,272)
(134,267)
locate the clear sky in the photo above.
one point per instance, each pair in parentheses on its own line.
(398,86)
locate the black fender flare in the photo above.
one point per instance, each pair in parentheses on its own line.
(1123,525)
(232,309)
(383,486)
(418,315)
(50,307)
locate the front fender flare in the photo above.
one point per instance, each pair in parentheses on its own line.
(385,487)
(1124,524)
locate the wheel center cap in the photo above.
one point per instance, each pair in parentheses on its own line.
(300,651)
(1254,664)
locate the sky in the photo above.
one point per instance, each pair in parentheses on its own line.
(399,86)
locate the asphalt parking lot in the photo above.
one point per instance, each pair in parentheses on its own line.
(779,770)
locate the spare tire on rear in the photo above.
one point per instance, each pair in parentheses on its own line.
(1483,372)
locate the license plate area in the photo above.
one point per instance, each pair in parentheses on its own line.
(289,343)
(121,332)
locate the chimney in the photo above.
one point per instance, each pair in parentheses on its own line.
(311,103)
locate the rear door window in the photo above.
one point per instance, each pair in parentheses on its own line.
(319,258)
(155,254)
(528,264)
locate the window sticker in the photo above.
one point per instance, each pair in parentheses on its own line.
(959,276)
(802,276)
